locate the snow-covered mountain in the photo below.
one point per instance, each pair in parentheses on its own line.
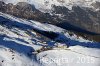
(81,15)
(27,43)
(49,32)
(47,4)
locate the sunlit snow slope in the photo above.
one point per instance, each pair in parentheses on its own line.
(22,44)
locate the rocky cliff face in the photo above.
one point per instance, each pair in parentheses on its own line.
(80,17)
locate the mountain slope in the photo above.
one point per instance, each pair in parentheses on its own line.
(23,41)
(77,14)
(45,4)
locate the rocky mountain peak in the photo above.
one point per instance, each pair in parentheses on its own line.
(47,4)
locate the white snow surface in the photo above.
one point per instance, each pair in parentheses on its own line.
(9,57)
(18,43)
(69,57)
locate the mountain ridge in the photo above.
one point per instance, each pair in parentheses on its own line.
(39,4)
